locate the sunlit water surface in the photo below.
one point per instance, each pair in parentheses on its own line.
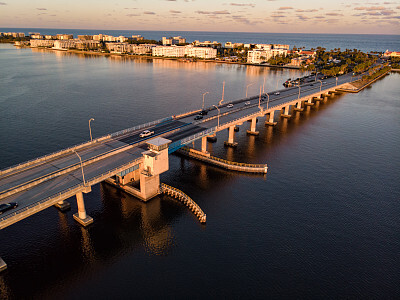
(324,222)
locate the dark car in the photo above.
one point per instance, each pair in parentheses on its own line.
(203,112)
(198,117)
(7,206)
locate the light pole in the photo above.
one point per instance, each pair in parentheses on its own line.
(268,99)
(218,113)
(90,129)
(247,86)
(203,98)
(315,79)
(336,81)
(299,92)
(320,87)
(83,175)
(264,85)
(223,92)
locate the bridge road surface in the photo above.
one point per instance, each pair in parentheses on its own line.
(173,130)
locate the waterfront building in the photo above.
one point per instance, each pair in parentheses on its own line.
(64,44)
(137,37)
(50,37)
(173,40)
(213,44)
(129,48)
(280,46)
(61,36)
(185,51)
(263,46)
(258,56)
(41,43)
(37,36)
(233,45)
(391,54)
(85,37)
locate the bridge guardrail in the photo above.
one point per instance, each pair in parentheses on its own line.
(178,144)
(77,186)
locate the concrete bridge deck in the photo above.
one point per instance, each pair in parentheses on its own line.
(40,183)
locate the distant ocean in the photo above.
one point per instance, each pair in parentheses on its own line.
(363,42)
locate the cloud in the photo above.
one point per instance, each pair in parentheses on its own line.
(285,7)
(334,14)
(302,17)
(149,13)
(3,3)
(243,4)
(306,10)
(41,8)
(175,11)
(132,15)
(244,20)
(217,12)
(319,17)
(369,8)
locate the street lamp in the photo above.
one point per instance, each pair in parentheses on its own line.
(90,129)
(248,87)
(83,175)
(268,99)
(336,81)
(299,92)
(218,113)
(203,98)
(264,85)
(320,87)
(223,92)
(315,79)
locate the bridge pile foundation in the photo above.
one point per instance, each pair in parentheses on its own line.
(63,205)
(253,130)
(81,217)
(271,120)
(309,102)
(231,138)
(286,112)
(298,107)
(3,265)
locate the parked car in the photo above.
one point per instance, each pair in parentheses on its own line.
(247,103)
(277,93)
(230,105)
(146,133)
(7,206)
(198,117)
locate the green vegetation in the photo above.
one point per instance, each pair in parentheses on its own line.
(11,39)
(130,41)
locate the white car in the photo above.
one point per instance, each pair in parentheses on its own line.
(247,103)
(277,93)
(230,105)
(146,133)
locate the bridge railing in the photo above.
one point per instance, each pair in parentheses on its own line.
(179,144)
(80,186)
(81,145)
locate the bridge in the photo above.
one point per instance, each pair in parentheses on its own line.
(124,157)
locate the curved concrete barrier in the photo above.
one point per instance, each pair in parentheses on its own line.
(178,194)
(223,163)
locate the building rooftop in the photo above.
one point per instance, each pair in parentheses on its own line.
(158,143)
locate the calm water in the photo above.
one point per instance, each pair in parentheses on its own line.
(324,222)
(363,42)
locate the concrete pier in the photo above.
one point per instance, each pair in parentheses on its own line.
(81,217)
(309,102)
(286,112)
(252,130)
(63,205)
(271,119)
(298,107)
(231,138)
(204,145)
(3,265)
(212,138)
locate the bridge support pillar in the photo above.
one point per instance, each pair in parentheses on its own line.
(309,102)
(298,107)
(212,138)
(252,130)
(204,145)
(63,205)
(286,112)
(231,139)
(3,265)
(81,217)
(271,119)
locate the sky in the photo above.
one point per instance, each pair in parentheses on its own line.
(281,16)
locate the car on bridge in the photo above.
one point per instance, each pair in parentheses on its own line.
(203,112)
(247,103)
(146,133)
(277,93)
(198,117)
(7,206)
(229,105)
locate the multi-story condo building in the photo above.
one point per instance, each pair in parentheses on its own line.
(41,43)
(182,51)
(61,36)
(173,40)
(129,48)
(258,56)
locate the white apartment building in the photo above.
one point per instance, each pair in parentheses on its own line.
(182,51)
(258,56)
(263,46)
(173,40)
(41,43)
(280,46)
(129,48)
(64,44)
(64,36)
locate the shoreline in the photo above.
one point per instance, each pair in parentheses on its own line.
(160,57)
